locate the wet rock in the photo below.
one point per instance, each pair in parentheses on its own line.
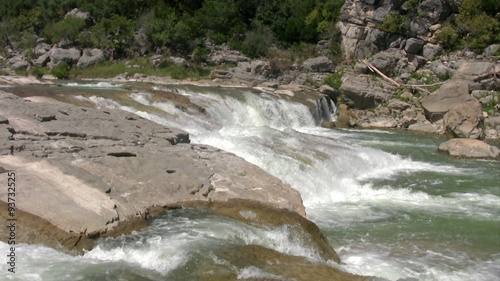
(94,173)
(280,266)
(469,148)
(427,128)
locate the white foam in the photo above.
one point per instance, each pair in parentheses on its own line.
(98,85)
(252,272)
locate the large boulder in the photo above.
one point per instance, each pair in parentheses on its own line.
(90,57)
(414,46)
(363,91)
(465,120)
(318,64)
(223,54)
(58,55)
(470,70)
(469,148)
(450,94)
(430,51)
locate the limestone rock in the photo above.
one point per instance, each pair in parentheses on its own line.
(318,64)
(90,57)
(41,49)
(224,54)
(58,55)
(363,91)
(445,98)
(78,14)
(414,46)
(464,120)
(469,70)
(398,105)
(430,51)
(20,65)
(91,173)
(469,148)
(426,128)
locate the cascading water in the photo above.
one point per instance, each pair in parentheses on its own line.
(405,213)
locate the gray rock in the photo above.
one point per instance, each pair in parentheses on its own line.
(78,14)
(430,51)
(491,50)
(384,61)
(465,120)
(58,55)
(445,98)
(379,122)
(469,148)
(21,64)
(414,46)
(322,48)
(178,61)
(441,70)
(224,54)
(426,128)
(362,91)
(398,105)
(41,49)
(470,70)
(90,57)
(42,60)
(318,64)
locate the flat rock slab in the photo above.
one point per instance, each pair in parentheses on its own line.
(469,148)
(89,173)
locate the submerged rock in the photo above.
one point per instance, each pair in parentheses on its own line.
(469,148)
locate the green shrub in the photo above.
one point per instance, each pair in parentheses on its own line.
(38,71)
(257,41)
(449,37)
(334,80)
(67,29)
(392,23)
(61,71)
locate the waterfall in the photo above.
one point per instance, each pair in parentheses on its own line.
(408,213)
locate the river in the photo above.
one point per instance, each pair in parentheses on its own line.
(388,202)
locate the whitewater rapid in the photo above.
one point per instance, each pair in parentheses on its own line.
(390,206)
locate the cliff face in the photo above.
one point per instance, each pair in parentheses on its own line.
(370,26)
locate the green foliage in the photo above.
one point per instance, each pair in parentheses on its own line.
(411,5)
(449,37)
(483,31)
(61,71)
(392,23)
(221,19)
(334,80)
(66,29)
(38,71)
(257,41)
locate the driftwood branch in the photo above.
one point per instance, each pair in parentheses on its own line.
(399,85)
(493,74)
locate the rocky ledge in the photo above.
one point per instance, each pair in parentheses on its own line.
(88,173)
